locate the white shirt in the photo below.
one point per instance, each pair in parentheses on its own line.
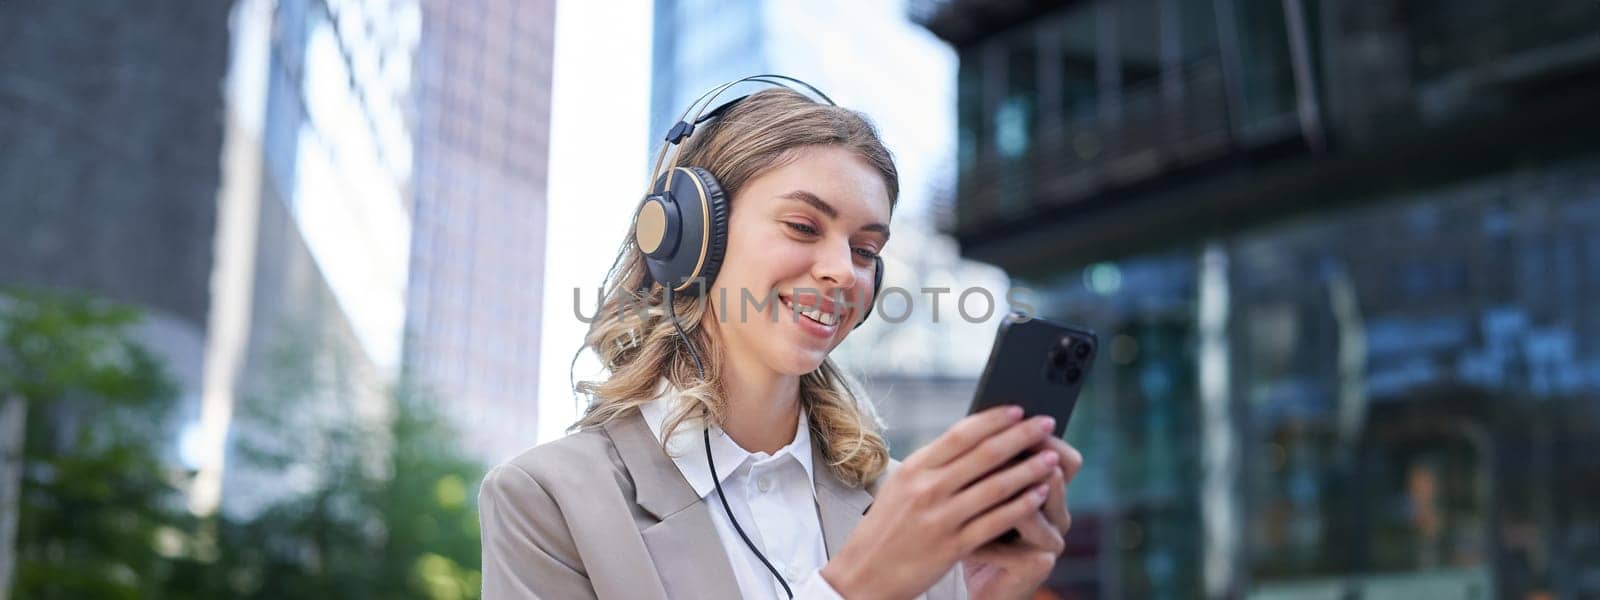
(772,495)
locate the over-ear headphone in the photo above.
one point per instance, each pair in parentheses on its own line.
(681,226)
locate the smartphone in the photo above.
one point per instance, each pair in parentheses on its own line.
(1039,365)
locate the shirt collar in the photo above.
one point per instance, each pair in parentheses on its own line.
(687,446)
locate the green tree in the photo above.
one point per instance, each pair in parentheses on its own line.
(389,512)
(430,505)
(100,513)
(390,515)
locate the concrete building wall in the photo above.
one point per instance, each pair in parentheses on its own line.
(110,133)
(110,137)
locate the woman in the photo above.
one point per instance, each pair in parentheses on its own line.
(724,455)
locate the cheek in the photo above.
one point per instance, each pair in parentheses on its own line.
(747,278)
(738,262)
(764,263)
(863,288)
(864,297)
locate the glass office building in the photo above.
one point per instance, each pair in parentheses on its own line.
(1344,260)
(695,46)
(480,122)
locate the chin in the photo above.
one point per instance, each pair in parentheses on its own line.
(798,362)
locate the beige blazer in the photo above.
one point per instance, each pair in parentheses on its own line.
(604,513)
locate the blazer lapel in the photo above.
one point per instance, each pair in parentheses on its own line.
(838,505)
(688,554)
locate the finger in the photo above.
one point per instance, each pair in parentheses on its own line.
(996,451)
(1003,484)
(991,524)
(1039,533)
(1071,459)
(1017,560)
(1001,554)
(1055,506)
(964,435)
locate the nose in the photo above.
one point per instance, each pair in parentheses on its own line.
(835,266)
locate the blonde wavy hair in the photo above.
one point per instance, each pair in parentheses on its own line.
(638,346)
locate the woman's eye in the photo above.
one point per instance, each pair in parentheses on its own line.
(866,253)
(802,228)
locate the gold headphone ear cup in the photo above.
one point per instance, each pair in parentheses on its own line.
(696,217)
(650,226)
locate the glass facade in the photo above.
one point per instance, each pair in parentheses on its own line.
(1412,388)
(1101,93)
(338,152)
(728,42)
(481,122)
(1452,36)
(1344,260)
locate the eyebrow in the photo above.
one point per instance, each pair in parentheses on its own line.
(831,212)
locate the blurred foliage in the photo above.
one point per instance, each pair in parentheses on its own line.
(96,497)
(355,505)
(374,523)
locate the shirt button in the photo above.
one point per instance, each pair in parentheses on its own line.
(791,573)
(763,484)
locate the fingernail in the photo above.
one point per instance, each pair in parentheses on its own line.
(1040,492)
(1047,424)
(1014,411)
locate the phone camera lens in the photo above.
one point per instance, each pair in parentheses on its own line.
(1074,374)
(1081,351)
(1059,358)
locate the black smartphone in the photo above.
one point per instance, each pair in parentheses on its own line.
(1039,365)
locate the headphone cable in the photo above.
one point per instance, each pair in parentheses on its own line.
(672,314)
(724,497)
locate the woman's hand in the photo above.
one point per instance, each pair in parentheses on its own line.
(947,500)
(1016,569)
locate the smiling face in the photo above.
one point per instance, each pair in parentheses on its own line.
(805,234)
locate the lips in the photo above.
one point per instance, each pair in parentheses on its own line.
(823,311)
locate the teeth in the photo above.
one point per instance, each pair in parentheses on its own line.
(815,314)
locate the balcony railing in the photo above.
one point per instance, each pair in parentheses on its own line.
(1155,128)
(1322,85)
